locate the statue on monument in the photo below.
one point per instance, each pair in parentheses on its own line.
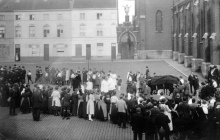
(127,9)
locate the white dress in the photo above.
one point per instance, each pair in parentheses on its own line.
(168,113)
(67,75)
(56,98)
(89,86)
(90,105)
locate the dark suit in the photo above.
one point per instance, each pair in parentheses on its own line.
(154,113)
(74,103)
(137,123)
(37,104)
(131,107)
(191,80)
(162,120)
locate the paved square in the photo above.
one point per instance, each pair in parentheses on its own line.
(23,127)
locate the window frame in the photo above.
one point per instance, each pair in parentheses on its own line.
(31,17)
(82,16)
(159,22)
(82,30)
(99,29)
(17,31)
(99,16)
(18,17)
(2,32)
(46,31)
(32,31)
(60,31)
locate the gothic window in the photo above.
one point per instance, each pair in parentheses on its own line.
(159,21)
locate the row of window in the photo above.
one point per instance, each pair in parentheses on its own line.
(59,16)
(60,31)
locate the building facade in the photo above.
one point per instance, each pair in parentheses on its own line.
(94,23)
(47,29)
(196,33)
(153,23)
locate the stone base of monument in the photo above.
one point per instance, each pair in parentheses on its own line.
(175,56)
(205,68)
(181,58)
(188,61)
(197,64)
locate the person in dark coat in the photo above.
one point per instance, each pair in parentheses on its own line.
(131,107)
(62,94)
(74,102)
(137,123)
(162,122)
(66,104)
(85,105)
(25,100)
(149,126)
(12,100)
(108,104)
(45,100)
(84,76)
(37,103)
(191,80)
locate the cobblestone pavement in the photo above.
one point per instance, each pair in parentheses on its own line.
(22,126)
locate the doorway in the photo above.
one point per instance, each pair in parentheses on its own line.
(46,52)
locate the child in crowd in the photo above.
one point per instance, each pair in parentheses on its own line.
(29,77)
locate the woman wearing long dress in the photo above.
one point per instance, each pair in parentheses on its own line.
(56,100)
(25,101)
(80,104)
(167,112)
(90,105)
(113,108)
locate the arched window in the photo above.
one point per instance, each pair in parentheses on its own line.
(82,29)
(159,21)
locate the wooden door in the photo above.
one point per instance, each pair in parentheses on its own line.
(88,51)
(46,52)
(17,52)
(78,50)
(113,51)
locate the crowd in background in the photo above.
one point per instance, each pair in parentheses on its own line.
(186,109)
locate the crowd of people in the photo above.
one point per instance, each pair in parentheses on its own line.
(187,109)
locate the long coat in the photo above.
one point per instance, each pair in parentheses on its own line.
(90,105)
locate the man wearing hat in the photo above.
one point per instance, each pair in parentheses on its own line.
(37,103)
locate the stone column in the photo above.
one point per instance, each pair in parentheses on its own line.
(215,36)
(180,54)
(196,61)
(205,64)
(187,59)
(175,53)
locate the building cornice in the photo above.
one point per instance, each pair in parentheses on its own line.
(180,4)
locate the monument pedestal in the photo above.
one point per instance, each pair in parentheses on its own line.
(188,61)
(175,56)
(181,58)
(205,68)
(197,64)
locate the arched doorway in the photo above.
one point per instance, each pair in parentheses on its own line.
(127,45)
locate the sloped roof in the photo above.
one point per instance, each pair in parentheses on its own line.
(14,5)
(95,4)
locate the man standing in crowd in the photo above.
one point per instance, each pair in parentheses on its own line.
(191,80)
(37,103)
(137,124)
(122,109)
